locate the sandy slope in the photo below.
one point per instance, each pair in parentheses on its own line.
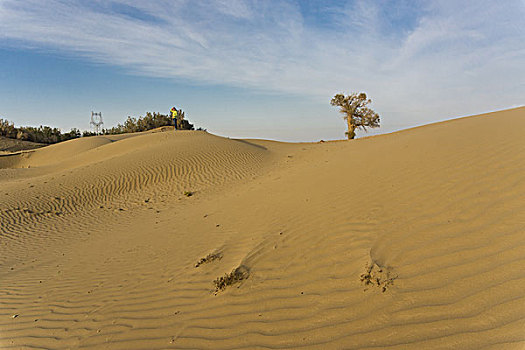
(13,145)
(99,245)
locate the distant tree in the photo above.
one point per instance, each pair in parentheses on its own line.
(73,134)
(355,111)
(7,129)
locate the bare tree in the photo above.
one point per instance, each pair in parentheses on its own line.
(355,111)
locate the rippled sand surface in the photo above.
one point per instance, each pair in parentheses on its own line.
(412,240)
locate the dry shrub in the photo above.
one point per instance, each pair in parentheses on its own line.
(240,273)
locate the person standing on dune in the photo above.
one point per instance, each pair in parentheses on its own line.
(174,113)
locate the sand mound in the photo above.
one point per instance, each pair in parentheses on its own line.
(12,145)
(413,240)
(97,173)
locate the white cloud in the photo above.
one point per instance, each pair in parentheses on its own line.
(442,59)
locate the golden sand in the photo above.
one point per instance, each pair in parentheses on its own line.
(412,240)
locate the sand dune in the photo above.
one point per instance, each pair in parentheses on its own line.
(8,145)
(412,240)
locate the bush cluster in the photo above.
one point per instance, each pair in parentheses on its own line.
(42,134)
(148,122)
(48,135)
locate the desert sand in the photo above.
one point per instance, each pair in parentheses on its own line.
(8,145)
(411,240)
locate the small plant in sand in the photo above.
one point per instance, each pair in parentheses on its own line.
(237,275)
(378,276)
(355,112)
(209,258)
(188,193)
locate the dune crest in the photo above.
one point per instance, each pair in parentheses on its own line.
(412,240)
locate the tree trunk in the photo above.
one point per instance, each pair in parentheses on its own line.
(351,130)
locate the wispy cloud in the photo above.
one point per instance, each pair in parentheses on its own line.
(429,58)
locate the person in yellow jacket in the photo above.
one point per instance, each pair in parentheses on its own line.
(174,113)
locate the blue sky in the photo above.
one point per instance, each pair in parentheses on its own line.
(264,69)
